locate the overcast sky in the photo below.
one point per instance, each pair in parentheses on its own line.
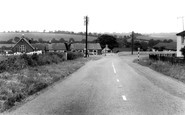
(144,16)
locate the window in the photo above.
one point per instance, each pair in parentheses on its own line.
(182,39)
(22,48)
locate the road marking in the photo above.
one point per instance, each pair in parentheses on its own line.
(113,68)
(124,97)
(117,80)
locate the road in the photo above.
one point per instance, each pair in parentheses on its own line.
(113,85)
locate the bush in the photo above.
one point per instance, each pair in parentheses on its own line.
(74,55)
(23,61)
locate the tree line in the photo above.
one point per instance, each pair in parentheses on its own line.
(40,40)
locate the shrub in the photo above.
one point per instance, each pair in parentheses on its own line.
(74,55)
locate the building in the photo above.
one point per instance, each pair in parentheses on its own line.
(180,43)
(23,46)
(56,47)
(106,49)
(93,48)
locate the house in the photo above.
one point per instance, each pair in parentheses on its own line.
(56,47)
(93,48)
(40,47)
(106,49)
(23,46)
(180,43)
(165,46)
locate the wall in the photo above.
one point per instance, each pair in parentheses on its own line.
(179,46)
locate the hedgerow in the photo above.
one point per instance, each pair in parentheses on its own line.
(23,82)
(20,62)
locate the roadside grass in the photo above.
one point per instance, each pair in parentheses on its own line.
(16,86)
(175,71)
(2,58)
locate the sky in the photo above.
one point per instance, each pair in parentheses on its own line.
(120,16)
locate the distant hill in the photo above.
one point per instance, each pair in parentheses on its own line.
(159,36)
(44,36)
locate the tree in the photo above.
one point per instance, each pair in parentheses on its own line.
(107,40)
(40,40)
(54,40)
(165,41)
(170,40)
(10,41)
(71,40)
(16,39)
(153,42)
(83,41)
(144,46)
(61,40)
(137,45)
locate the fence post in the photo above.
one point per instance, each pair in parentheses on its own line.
(66,54)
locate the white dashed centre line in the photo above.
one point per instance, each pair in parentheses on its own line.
(117,80)
(113,68)
(124,97)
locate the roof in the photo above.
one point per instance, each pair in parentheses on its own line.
(53,46)
(78,46)
(58,46)
(168,46)
(107,49)
(25,41)
(94,46)
(40,46)
(181,33)
(81,46)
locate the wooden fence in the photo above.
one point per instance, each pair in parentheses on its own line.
(168,57)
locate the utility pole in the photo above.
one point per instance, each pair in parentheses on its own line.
(132,41)
(86,35)
(182,18)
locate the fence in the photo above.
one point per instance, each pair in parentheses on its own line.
(167,57)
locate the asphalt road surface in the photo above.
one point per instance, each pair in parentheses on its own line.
(113,85)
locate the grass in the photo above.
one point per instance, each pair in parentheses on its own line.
(175,71)
(19,85)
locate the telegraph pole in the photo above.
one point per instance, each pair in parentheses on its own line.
(182,21)
(86,35)
(132,41)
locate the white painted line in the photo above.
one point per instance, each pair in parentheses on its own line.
(124,97)
(113,68)
(117,80)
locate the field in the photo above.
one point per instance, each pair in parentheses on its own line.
(44,36)
(159,36)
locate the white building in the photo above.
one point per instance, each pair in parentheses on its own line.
(180,43)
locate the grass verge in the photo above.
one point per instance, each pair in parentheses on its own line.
(172,70)
(17,86)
